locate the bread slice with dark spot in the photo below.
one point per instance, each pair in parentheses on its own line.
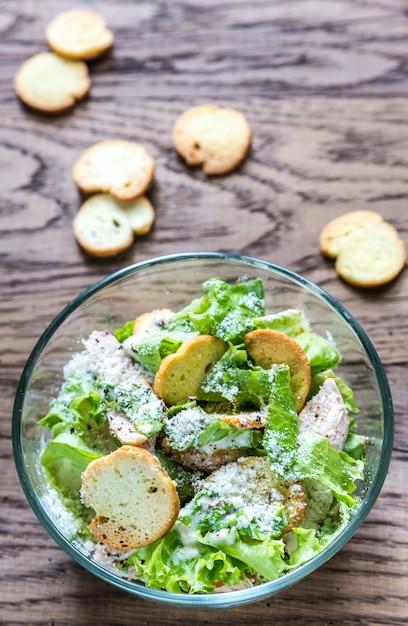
(216,138)
(134,499)
(101,227)
(104,226)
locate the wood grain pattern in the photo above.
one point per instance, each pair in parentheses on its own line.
(324,84)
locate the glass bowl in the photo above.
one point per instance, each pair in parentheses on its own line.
(171,282)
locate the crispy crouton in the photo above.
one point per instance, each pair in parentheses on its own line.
(267,347)
(180,374)
(134,499)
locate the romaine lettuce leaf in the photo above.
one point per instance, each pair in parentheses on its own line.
(125,331)
(139,403)
(65,458)
(264,557)
(309,456)
(235,379)
(302,545)
(290,321)
(84,416)
(60,408)
(225,311)
(355,446)
(316,458)
(282,427)
(59,412)
(320,352)
(80,434)
(149,350)
(229,438)
(185,566)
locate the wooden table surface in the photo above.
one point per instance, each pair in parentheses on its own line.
(324,84)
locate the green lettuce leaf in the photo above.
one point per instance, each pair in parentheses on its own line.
(125,331)
(320,352)
(149,350)
(225,311)
(139,403)
(291,322)
(84,416)
(230,438)
(60,408)
(282,427)
(184,478)
(65,458)
(80,434)
(302,545)
(185,566)
(234,379)
(59,412)
(309,456)
(355,446)
(317,459)
(264,557)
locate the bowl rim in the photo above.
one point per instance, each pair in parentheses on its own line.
(229,598)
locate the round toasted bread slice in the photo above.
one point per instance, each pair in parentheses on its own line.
(134,499)
(122,168)
(79,34)
(180,375)
(368,250)
(267,347)
(216,138)
(50,83)
(374,259)
(337,232)
(140,214)
(101,227)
